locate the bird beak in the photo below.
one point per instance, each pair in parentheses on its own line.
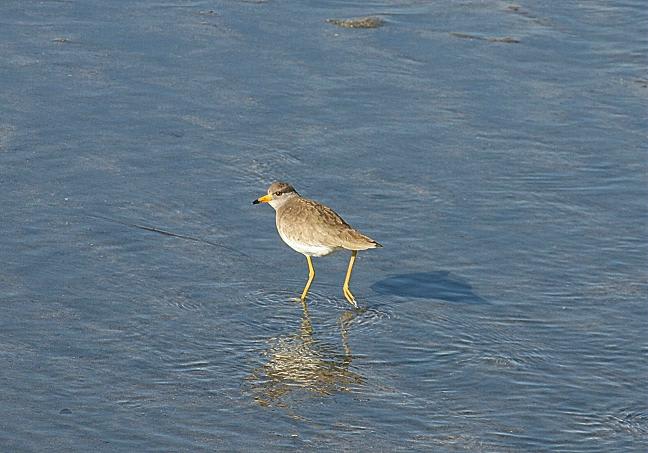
(263,199)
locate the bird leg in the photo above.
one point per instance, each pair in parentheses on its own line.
(345,287)
(311,276)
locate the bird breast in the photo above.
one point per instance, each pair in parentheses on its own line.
(307,249)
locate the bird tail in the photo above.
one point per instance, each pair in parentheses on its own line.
(368,243)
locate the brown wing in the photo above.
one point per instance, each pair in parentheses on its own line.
(313,223)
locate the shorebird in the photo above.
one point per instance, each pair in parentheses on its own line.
(313,229)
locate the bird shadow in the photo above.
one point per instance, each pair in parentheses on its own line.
(441,285)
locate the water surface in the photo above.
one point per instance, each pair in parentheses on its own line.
(497,150)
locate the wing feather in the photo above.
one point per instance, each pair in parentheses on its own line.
(312,223)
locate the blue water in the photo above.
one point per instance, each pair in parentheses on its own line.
(497,150)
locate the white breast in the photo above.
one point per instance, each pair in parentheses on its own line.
(307,249)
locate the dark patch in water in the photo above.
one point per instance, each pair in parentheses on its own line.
(358,22)
(429,285)
(504,39)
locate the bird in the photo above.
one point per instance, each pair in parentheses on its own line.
(314,230)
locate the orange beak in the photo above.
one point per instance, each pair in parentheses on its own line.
(263,199)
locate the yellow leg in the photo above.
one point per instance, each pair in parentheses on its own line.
(345,287)
(311,276)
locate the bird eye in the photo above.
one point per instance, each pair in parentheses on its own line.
(276,194)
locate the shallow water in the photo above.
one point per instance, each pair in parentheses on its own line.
(497,150)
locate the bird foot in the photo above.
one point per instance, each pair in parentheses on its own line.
(349,297)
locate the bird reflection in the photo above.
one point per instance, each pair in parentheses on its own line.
(300,361)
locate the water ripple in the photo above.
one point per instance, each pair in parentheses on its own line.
(627,420)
